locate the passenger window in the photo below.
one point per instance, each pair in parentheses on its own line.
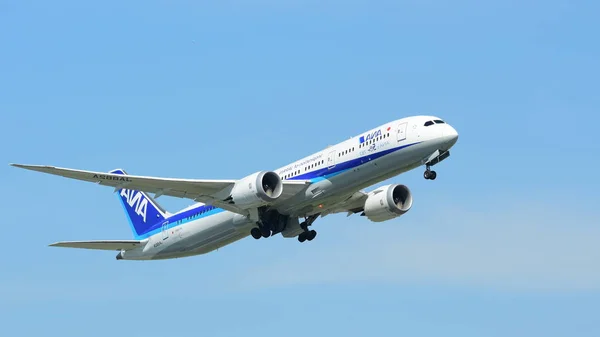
(428,123)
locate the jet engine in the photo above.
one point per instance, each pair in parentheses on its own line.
(257,189)
(388,202)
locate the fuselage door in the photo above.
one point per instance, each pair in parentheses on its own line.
(165,230)
(331,160)
(401,132)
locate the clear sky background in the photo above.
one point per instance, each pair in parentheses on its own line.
(506,241)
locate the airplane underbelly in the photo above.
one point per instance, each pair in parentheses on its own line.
(206,235)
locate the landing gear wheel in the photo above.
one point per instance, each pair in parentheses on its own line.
(433,175)
(302,237)
(265,232)
(427,174)
(311,235)
(255,232)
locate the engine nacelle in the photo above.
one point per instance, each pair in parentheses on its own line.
(257,189)
(388,202)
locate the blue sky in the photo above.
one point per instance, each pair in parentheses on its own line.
(504,242)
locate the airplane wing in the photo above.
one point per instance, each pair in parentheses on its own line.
(207,191)
(100,245)
(351,205)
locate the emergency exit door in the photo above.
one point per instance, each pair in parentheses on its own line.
(401,132)
(331,160)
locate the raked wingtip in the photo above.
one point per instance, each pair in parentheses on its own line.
(19,165)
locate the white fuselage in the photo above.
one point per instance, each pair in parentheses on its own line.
(335,174)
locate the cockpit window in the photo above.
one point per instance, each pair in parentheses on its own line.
(428,123)
(439,121)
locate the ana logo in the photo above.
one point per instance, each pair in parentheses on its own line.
(136,200)
(370,136)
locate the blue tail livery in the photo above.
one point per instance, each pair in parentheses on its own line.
(143,213)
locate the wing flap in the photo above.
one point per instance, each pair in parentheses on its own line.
(99,245)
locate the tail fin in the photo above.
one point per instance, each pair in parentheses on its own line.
(143,213)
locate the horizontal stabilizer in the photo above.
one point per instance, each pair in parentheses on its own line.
(100,245)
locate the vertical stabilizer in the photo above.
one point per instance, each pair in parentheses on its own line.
(143,213)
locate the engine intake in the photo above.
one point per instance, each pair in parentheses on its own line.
(388,202)
(257,189)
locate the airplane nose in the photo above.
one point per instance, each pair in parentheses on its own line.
(451,135)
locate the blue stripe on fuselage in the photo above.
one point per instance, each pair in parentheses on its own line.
(326,173)
(203,211)
(199,212)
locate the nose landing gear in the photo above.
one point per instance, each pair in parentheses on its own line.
(435,158)
(429,174)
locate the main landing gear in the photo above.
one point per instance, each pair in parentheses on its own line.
(260,232)
(274,223)
(308,235)
(271,222)
(429,174)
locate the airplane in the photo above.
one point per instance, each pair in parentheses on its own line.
(267,203)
